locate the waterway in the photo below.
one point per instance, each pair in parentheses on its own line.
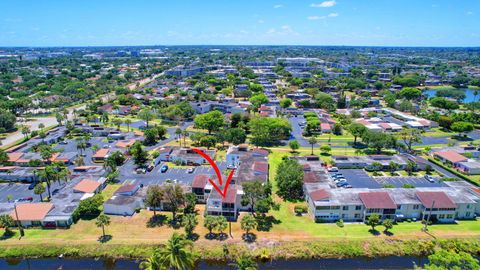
(110,264)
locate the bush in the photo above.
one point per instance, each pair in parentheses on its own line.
(340,223)
(88,208)
(300,209)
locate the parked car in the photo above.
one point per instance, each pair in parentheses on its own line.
(430,178)
(150,167)
(333,169)
(141,171)
(63,142)
(26,199)
(342,184)
(231,166)
(191,170)
(164,169)
(55,191)
(32,185)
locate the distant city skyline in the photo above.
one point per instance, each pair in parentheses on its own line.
(248,22)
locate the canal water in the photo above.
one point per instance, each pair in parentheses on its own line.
(110,264)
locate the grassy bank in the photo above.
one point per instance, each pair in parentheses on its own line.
(273,250)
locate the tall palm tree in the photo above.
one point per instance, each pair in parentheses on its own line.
(312,141)
(102,221)
(177,254)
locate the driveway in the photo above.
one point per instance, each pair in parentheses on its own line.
(416,181)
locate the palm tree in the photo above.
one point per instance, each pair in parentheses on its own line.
(185,134)
(128,121)
(39,189)
(177,254)
(152,263)
(179,132)
(189,222)
(248,223)
(102,221)
(244,263)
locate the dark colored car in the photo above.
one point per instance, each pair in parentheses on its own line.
(164,168)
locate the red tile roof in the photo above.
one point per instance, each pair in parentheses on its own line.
(310,177)
(441,199)
(260,151)
(32,211)
(12,157)
(260,167)
(200,180)
(319,195)
(377,200)
(325,126)
(451,156)
(101,153)
(231,196)
(87,186)
(126,188)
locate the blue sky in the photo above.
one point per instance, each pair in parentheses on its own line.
(230,22)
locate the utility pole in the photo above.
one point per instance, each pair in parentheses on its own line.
(19,226)
(425,228)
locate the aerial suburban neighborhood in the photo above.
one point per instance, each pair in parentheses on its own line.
(240,156)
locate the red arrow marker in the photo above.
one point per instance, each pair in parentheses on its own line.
(223,192)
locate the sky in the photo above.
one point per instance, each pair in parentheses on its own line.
(240,22)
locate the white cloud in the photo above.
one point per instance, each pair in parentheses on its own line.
(278,6)
(324,4)
(315,18)
(260,21)
(469,12)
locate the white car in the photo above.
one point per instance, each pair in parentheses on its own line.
(430,178)
(333,169)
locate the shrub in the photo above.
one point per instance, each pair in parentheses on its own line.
(340,223)
(300,209)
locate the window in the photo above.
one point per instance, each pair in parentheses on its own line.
(442,216)
(357,216)
(467,214)
(449,216)
(358,207)
(416,206)
(345,208)
(335,207)
(468,206)
(399,207)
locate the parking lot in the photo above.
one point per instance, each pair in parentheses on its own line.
(359,178)
(155,177)
(416,181)
(18,191)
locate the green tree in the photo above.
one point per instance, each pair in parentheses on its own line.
(379,140)
(410,93)
(388,224)
(208,141)
(153,198)
(462,127)
(174,197)
(177,254)
(211,121)
(222,224)
(257,100)
(254,192)
(128,122)
(285,103)
(267,131)
(325,149)
(337,129)
(6,222)
(146,115)
(102,221)
(190,203)
(152,262)
(117,122)
(357,130)
(139,155)
(410,136)
(189,222)
(448,259)
(373,220)
(3,157)
(294,145)
(312,141)
(289,179)
(247,224)
(235,136)
(39,189)
(210,223)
